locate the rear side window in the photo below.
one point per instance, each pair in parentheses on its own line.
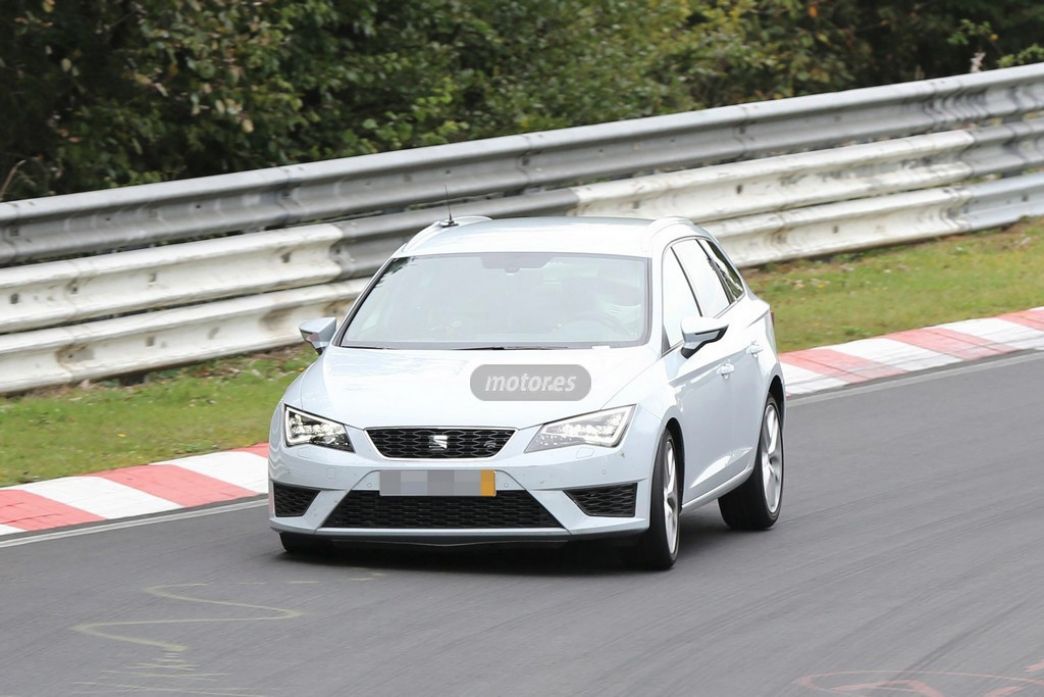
(706,284)
(677,299)
(729,275)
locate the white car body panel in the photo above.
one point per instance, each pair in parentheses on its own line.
(373,387)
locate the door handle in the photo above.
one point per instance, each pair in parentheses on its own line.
(755,348)
(725,370)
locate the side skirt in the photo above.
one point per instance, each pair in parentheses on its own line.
(725,488)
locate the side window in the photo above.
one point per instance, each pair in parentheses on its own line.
(704,279)
(677,299)
(728,272)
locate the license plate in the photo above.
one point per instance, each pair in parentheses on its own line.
(438,483)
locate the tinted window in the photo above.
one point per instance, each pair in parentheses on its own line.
(677,299)
(704,279)
(728,272)
(504,299)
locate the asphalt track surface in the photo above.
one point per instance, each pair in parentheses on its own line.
(909,560)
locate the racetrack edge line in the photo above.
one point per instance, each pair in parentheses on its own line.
(138,521)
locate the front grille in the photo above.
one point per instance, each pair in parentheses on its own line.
(439,443)
(508,509)
(292,500)
(606,500)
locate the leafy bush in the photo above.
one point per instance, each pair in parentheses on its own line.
(109,94)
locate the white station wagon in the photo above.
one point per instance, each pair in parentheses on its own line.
(538,379)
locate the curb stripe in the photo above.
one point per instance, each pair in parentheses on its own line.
(182,486)
(1034,319)
(834,363)
(257,449)
(894,353)
(956,344)
(998,331)
(99,496)
(242,469)
(24,510)
(800,381)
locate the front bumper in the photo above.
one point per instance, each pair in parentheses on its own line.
(546,476)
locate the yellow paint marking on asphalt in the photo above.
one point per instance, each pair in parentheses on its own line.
(103,629)
(361,578)
(195,676)
(108,689)
(163,666)
(169,672)
(135,672)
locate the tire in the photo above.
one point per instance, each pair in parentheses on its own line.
(657,547)
(755,504)
(303,545)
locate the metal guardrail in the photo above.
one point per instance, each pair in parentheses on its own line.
(280,196)
(167,337)
(741,193)
(235,286)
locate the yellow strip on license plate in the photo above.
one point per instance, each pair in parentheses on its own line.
(489,483)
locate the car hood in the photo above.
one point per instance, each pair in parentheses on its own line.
(367,388)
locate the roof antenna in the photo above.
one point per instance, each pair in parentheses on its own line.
(449,221)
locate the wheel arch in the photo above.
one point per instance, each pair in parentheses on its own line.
(674,428)
(776,390)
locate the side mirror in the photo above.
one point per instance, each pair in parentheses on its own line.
(697,331)
(319,332)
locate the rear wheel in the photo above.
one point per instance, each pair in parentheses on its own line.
(756,503)
(657,548)
(303,545)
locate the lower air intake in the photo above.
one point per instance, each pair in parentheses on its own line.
(508,509)
(292,501)
(613,501)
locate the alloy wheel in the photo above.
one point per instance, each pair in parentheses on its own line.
(772,458)
(670,497)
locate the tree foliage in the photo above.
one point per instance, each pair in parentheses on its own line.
(107,94)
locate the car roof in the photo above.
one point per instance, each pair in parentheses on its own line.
(624,236)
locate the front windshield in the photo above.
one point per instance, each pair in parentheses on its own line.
(504,300)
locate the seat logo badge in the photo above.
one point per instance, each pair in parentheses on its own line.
(438,442)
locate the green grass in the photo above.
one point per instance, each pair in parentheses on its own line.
(216,405)
(227,403)
(853,296)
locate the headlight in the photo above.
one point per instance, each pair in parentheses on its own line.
(604,428)
(300,428)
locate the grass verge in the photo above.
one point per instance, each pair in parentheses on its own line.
(227,403)
(854,296)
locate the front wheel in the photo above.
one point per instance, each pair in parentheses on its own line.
(657,548)
(756,503)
